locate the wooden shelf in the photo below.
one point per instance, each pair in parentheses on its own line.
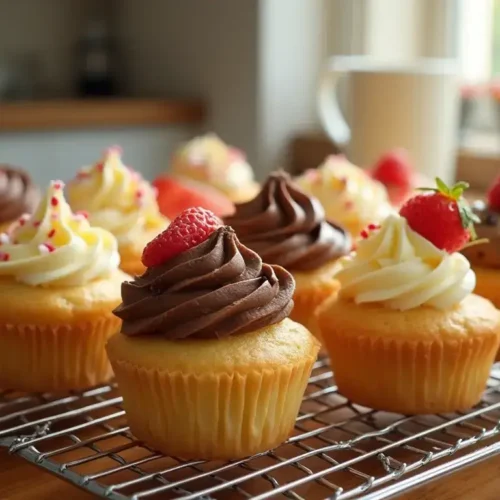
(97,113)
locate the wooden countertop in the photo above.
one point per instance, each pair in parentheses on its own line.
(20,480)
(97,113)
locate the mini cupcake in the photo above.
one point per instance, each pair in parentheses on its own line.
(348,194)
(118,199)
(209,160)
(406,334)
(59,282)
(395,171)
(206,346)
(287,227)
(18,195)
(485,258)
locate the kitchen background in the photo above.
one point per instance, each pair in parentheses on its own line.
(246,69)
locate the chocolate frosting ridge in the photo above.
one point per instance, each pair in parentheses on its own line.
(18,194)
(216,289)
(285,226)
(488,254)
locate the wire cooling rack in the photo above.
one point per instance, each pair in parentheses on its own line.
(338,450)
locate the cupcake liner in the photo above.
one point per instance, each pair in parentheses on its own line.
(42,358)
(417,377)
(213,415)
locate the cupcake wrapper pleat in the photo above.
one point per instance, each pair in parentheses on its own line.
(55,358)
(212,416)
(411,377)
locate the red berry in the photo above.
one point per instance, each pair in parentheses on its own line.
(394,169)
(494,195)
(190,228)
(175,196)
(441,216)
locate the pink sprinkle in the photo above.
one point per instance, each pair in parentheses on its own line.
(82,174)
(83,214)
(54,201)
(139,193)
(23,219)
(4,238)
(99,167)
(37,223)
(114,150)
(58,185)
(46,248)
(364,234)
(51,233)
(54,216)
(4,256)
(373,227)
(348,205)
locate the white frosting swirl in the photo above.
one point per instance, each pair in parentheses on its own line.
(117,199)
(55,247)
(400,269)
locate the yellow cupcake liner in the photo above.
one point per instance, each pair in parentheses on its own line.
(40,358)
(417,376)
(212,415)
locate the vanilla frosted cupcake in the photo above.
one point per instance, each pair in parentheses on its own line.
(287,227)
(59,281)
(118,199)
(348,194)
(208,159)
(406,334)
(206,346)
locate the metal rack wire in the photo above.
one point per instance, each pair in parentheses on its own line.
(338,450)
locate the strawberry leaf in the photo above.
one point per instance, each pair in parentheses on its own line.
(467,217)
(442,187)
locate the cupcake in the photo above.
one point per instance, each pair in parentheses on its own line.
(406,334)
(348,194)
(395,171)
(118,199)
(287,227)
(209,160)
(485,258)
(207,348)
(18,195)
(59,282)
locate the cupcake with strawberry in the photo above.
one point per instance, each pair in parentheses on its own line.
(485,259)
(209,160)
(395,171)
(406,312)
(349,195)
(287,227)
(207,360)
(117,198)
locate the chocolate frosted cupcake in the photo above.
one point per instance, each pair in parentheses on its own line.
(207,349)
(287,227)
(485,258)
(18,195)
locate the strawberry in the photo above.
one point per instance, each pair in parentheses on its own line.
(175,196)
(494,195)
(442,216)
(190,228)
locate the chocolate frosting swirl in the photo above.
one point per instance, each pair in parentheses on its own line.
(216,289)
(487,254)
(287,227)
(18,195)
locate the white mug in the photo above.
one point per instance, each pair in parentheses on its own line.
(414,107)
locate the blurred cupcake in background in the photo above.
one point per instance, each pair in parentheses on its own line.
(485,258)
(209,160)
(348,194)
(118,199)
(395,171)
(177,194)
(18,195)
(287,227)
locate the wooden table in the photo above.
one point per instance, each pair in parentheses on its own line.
(20,480)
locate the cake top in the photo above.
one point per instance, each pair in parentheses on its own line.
(116,198)
(201,282)
(347,192)
(18,194)
(208,158)
(488,227)
(412,259)
(285,226)
(56,247)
